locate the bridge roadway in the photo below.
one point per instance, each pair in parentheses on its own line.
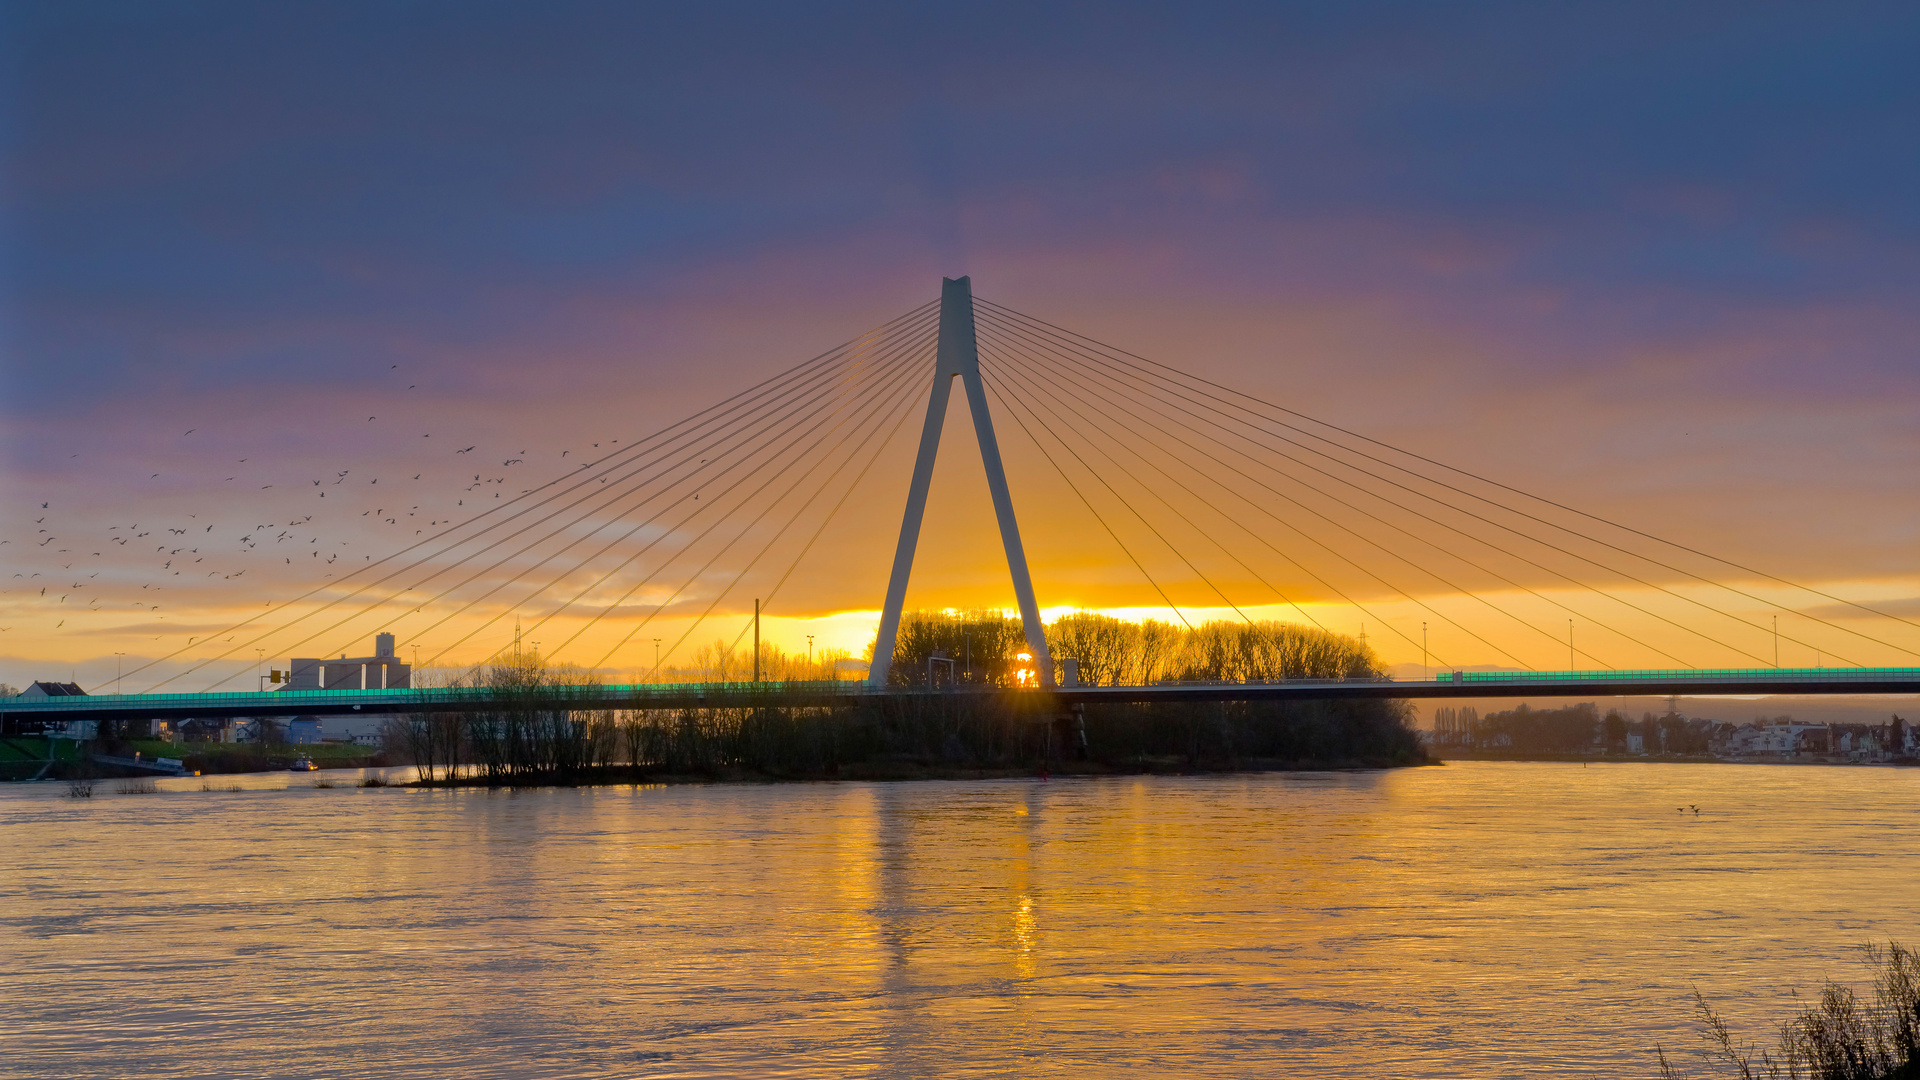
(1451,684)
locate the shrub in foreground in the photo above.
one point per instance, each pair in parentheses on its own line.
(1840,1038)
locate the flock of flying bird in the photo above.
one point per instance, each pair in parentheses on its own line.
(93,575)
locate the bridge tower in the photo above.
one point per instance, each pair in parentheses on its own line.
(958,355)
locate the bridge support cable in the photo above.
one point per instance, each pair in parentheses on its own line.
(1004,400)
(738,439)
(607,496)
(1039,387)
(716,426)
(890,373)
(807,547)
(1006,391)
(895,393)
(765,454)
(1009,374)
(1627,575)
(1361,607)
(1096,391)
(903,414)
(1005,394)
(1167,387)
(1065,370)
(669,432)
(1155,404)
(1001,381)
(1148,575)
(1163,392)
(1166,377)
(1522,493)
(746,447)
(1108,431)
(902,404)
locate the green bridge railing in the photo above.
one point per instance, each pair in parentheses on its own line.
(636,694)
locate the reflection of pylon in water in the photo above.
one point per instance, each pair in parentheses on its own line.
(958,355)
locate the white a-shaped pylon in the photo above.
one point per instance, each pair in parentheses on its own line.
(958,355)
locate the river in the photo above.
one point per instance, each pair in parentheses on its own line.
(1474,920)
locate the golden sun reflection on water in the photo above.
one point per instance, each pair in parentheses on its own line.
(1471,920)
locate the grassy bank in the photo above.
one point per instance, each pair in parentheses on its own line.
(23,756)
(209,758)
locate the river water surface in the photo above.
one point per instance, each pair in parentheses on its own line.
(1473,920)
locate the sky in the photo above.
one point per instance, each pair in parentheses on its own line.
(1657,262)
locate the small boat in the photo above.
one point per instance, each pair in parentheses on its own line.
(302,764)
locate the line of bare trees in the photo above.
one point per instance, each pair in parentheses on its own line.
(985,647)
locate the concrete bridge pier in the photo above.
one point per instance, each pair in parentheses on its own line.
(1065,727)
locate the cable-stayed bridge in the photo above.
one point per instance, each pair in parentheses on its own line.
(1216,500)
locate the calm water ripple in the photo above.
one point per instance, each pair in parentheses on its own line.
(1475,920)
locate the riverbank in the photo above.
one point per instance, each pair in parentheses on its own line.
(23,757)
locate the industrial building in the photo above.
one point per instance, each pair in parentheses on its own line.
(381,671)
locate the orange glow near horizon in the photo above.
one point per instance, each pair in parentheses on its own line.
(116,587)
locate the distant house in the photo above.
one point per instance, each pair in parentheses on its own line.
(52,689)
(198,729)
(303,730)
(1778,739)
(37,691)
(1873,742)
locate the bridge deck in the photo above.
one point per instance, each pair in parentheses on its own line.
(803,694)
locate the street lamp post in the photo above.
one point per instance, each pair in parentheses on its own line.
(116,672)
